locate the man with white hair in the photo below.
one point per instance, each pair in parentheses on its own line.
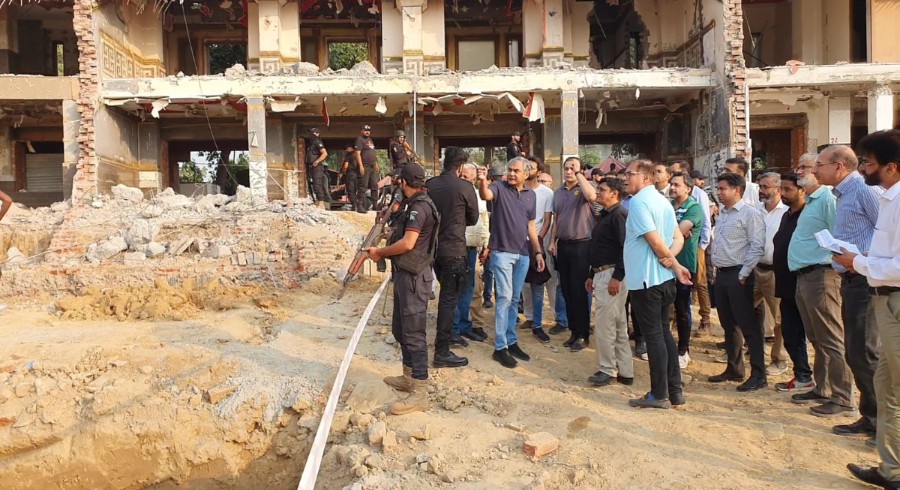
(512,233)
(764,292)
(819,299)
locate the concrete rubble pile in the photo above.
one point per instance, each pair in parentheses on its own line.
(232,235)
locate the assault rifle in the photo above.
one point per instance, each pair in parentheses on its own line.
(376,233)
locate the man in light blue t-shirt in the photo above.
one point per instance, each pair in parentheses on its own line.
(651,244)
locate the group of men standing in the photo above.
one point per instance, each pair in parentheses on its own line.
(620,240)
(359,168)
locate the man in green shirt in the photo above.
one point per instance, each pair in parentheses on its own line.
(689,215)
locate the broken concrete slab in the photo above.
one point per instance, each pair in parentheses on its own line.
(218,251)
(125,193)
(153,249)
(100,251)
(140,233)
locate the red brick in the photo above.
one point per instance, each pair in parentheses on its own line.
(540,444)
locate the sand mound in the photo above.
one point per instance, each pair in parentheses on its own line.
(161,301)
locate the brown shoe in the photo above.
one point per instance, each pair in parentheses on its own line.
(401,383)
(417,401)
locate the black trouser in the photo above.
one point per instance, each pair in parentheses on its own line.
(650,308)
(411,293)
(635,328)
(795,338)
(861,340)
(368,181)
(573,267)
(683,318)
(451,274)
(734,302)
(351,183)
(320,183)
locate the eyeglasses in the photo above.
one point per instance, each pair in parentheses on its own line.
(545,181)
(630,173)
(821,164)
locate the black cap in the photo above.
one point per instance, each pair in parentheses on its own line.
(696,174)
(413,174)
(367,128)
(516,133)
(314,130)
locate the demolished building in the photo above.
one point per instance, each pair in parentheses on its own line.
(108,92)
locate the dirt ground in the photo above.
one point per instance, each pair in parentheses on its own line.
(230,397)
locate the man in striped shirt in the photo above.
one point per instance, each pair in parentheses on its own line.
(738,245)
(854,222)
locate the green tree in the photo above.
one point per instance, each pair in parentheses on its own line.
(224,56)
(192,172)
(346,55)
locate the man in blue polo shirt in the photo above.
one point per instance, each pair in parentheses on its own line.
(651,245)
(512,232)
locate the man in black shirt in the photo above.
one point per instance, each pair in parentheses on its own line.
(351,170)
(399,154)
(608,267)
(315,161)
(458,207)
(514,148)
(368,179)
(792,330)
(411,249)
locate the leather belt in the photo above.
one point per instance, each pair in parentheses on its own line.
(812,268)
(732,268)
(602,268)
(884,290)
(765,267)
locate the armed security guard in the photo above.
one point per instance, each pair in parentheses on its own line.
(368,162)
(315,160)
(400,154)
(411,247)
(350,171)
(514,148)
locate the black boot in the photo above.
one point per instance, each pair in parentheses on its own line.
(448,359)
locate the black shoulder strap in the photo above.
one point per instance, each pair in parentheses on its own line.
(423,196)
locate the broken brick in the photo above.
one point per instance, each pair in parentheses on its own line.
(540,444)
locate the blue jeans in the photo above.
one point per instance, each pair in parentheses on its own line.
(561,317)
(462,321)
(509,276)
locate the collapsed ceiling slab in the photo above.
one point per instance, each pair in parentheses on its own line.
(821,75)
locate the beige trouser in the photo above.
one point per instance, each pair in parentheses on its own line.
(764,293)
(819,301)
(887,385)
(611,328)
(701,288)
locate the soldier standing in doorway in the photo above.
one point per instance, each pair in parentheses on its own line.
(514,148)
(368,179)
(315,160)
(400,154)
(350,171)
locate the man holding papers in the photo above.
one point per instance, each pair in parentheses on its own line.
(881,267)
(854,223)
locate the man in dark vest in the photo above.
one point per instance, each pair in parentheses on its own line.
(315,161)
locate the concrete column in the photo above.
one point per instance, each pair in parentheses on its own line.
(269,36)
(817,114)
(553,49)
(881,108)
(840,117)
(807,18)
(581,33)
(569,126)
(391,38)
(553,146)
(532,31)
(252,36)
(256,140)
(568,6)
(71,125)
(289,37)
(411,19)
(434,38)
